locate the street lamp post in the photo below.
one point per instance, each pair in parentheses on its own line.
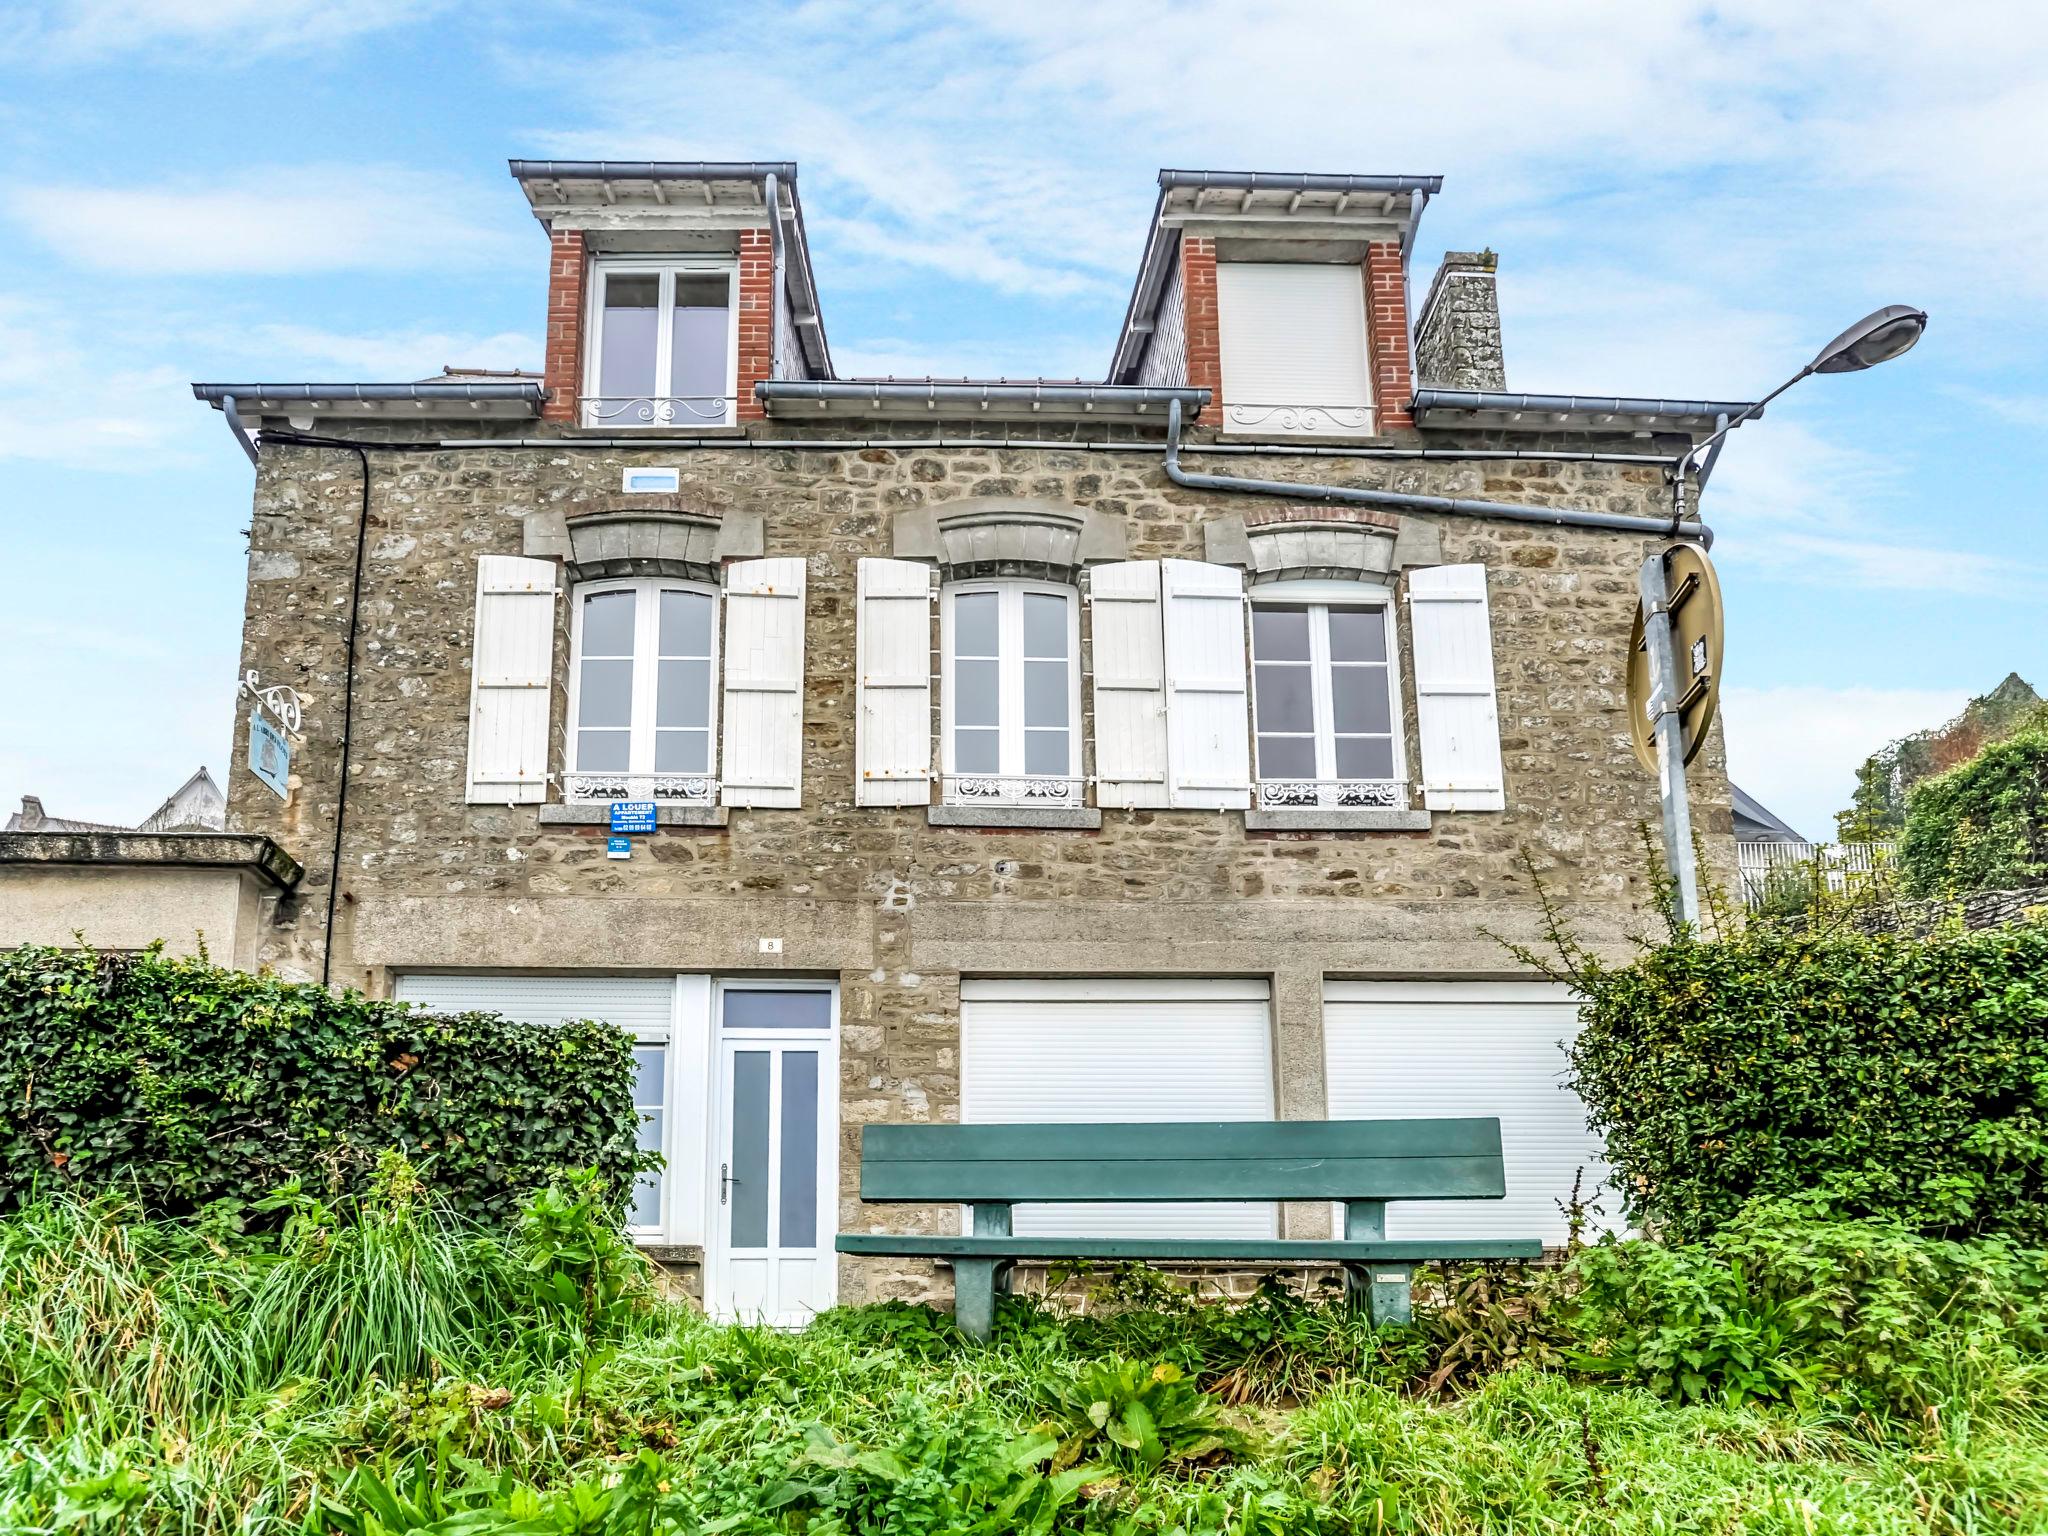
(1877,338)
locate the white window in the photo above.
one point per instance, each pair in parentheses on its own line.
(664,347)
(1293,348)
(1325,706)
(1012,693)
(642,712)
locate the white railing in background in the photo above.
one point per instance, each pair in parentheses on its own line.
(1839,864)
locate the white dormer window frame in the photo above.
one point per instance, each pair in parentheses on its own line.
(994,751)
(1349,762)
(610,403)
(668,683)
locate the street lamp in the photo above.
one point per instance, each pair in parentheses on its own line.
(1877,338)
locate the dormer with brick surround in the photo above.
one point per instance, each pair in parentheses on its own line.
(674,288)
(1284,295)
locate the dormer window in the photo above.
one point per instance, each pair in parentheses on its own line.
(1292,338)
(664,346)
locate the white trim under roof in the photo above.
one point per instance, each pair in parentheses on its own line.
(971,399)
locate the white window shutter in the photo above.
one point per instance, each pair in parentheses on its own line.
(1208,735)
(764,683)
(1458,719)
(1129,663)
(893,729)
(511,679)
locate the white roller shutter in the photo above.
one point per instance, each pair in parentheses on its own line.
(1109,1051)
(1419,1050)
(1208,750)
(1456,714)
(764,683)
(630,1002)
(511,679)
(893,729)
(1292,337)
(1130,683)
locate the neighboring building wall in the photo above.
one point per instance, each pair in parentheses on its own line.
(1165,364)
(1457,335)
(894,908)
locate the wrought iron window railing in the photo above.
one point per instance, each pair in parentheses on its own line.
(663,788)
(656,410)
(1011,789)
(1382,794)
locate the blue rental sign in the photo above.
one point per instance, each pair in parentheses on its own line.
(618,847)
(632,816)
(270,755)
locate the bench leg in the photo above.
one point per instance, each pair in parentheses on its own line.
(974,1296)
(1384,1290)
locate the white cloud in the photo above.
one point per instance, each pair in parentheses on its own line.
(284,221)
(1032,357)
(2019,410)
(85,31)
(1797,749)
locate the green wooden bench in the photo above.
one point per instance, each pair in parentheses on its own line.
(1363,1163)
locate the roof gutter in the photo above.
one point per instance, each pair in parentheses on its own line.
(653,170)
(215,394)
(970,392)
(1576,405)
(1299,181)
(1403,501)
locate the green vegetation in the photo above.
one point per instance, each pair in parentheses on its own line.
(378,1367)
(1982,825)
(183,1084)
(1877,812)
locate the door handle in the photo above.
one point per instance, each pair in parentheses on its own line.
(725,1179)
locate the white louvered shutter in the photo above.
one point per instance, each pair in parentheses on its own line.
(511,678)
(1129,664)
(893,731)
(1458,719)
(1208,743)
(764,683)
(1292,337)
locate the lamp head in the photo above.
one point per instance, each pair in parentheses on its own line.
(1876,338)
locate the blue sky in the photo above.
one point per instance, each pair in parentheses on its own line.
(1687,200)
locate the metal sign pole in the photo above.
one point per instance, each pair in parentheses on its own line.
(1678,851)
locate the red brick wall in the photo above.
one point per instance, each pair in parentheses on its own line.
(1386,320)
(564,366)
(1198,307)
(757,318)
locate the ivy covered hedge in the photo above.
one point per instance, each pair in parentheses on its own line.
(1878,1074)
(186,1084)
(1982,825)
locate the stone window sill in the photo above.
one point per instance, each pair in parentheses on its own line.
(1313,818)
(598,813)
(670,1253)
(1082,818)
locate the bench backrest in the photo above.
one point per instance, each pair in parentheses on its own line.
(1206,1160)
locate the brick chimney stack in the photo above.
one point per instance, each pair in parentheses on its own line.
(1457,336)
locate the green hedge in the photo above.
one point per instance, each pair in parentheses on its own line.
(1982,825)
(1883,1075)
(186,1084)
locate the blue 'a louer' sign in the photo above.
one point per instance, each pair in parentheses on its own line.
(632,816)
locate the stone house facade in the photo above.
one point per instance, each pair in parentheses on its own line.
(1004,765)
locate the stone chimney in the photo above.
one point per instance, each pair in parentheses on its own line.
(1457,336)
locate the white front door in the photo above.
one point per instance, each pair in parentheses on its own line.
(775,1181)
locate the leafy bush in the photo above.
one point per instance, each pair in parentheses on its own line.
(1889,1076)
(1148,1415)
(1982,825)
(1778,1307)
(185,1084)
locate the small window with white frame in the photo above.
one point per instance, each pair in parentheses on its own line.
(1325,696)
(664,344)
(643,692)
(1011,696)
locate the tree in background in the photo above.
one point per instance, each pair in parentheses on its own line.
(1877,812)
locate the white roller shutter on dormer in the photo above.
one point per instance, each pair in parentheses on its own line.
(511,678)
(1456,714)
(893,728)
(764,683)
(1208,736)
(1292,338)
(1129,665)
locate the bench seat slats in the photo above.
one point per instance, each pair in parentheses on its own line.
(1187,1249)
(1193,1175)
(1232,1139)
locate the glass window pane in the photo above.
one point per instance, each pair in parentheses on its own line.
(646,1210)
(1045,624)
(1286,701)
(747,1193)
(650,1082)
(799,1225)
(1287,757)
(777,1010)
(1365,757)
(974,624)
(977,752)
(977,693)
(682,693)
(1046,752)
(626,347)
(603,751)
(1358,634)
(1358,697)
(682,751)
(608,623)
(685,623)
(605,694)
(1279,634)
(1045,693)
(698,346)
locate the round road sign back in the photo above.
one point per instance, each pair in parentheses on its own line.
(1695,604)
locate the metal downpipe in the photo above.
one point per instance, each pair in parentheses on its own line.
(238,426)
(1404,501)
